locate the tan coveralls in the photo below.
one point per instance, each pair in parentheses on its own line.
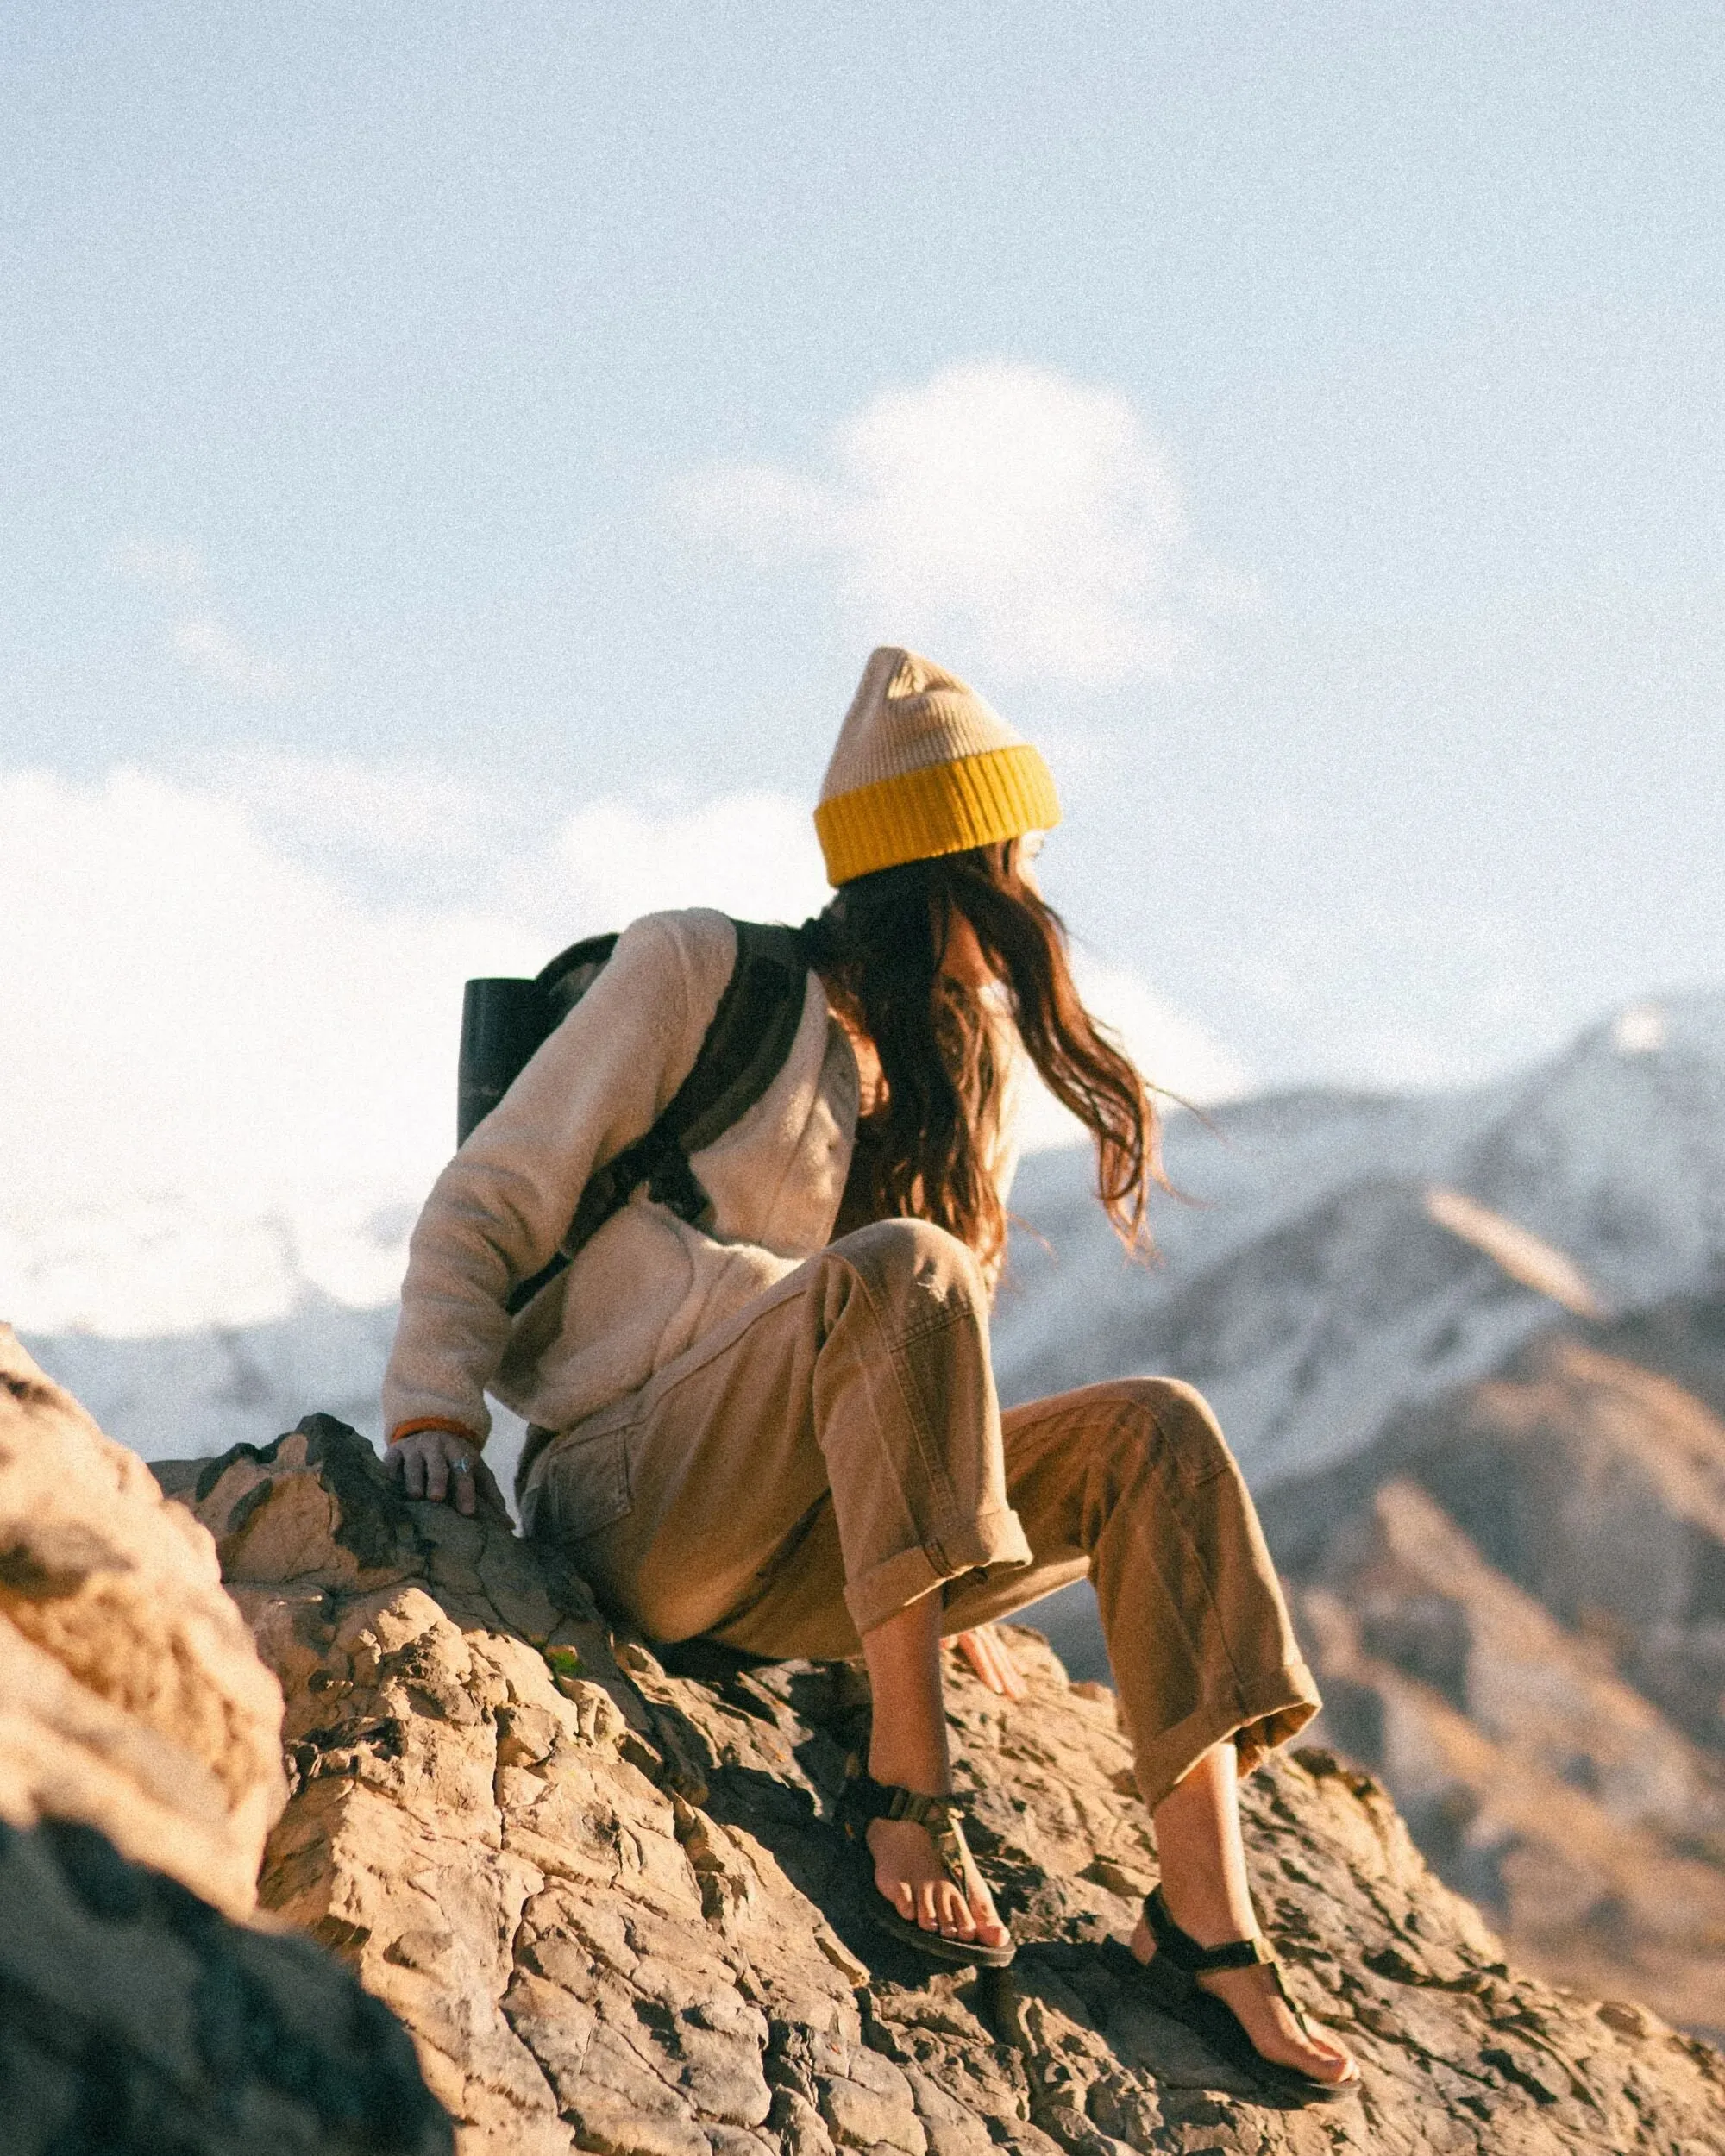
(836,1450)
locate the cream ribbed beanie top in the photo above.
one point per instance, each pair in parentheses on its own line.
(924,767)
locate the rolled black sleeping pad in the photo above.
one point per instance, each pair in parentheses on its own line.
(503,1021)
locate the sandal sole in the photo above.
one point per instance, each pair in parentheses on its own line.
(962,1952)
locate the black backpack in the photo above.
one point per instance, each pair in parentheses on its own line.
(504,1021)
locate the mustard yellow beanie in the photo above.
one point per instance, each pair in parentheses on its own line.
(925,767)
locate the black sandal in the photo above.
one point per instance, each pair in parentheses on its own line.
(865,1800)
(1170,1983)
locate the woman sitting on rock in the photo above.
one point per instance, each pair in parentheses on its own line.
(779,1428)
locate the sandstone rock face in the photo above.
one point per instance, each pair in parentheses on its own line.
(131,1698)
(600,1887)
(139,1770)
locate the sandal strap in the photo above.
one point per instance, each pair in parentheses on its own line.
(865,1800)
(1181,1952)
(1184,1952)
(1288,2000)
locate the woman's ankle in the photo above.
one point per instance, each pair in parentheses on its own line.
(920,1776)
(1203,1910)
(1204,1881)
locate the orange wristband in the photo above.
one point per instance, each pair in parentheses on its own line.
(434,1422)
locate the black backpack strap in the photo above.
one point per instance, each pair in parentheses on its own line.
(741,1053)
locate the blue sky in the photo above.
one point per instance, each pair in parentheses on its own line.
(424,426)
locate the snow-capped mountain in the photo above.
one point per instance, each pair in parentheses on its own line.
(189,1394)
(1341,1257)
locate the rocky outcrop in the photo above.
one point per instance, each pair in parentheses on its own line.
(602,1889)
(135,1717)
(131,1696)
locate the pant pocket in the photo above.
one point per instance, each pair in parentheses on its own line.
(584,1488)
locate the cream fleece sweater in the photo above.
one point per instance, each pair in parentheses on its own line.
(648,1286)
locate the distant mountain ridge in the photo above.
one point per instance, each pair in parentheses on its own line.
(1312,1289)
(1322,1283)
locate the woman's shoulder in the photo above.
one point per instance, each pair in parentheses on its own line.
(696,938)
(695,945)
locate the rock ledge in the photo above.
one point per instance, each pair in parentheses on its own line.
(600,1887)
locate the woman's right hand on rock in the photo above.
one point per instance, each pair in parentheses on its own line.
(437,1464)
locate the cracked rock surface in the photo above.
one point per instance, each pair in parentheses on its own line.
(139,1770)
(130,1697)
(600,1887)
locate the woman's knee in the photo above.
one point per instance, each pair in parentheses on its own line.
(915,1261)
(1170,1426)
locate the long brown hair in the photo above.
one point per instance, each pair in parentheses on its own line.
(880,946)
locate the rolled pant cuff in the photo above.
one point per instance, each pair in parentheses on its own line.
(993,1541)
(1259,1718)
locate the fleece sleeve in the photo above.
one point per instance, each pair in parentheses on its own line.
(500,1208)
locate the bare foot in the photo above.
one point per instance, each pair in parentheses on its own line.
(1268,2019)
(909,1873)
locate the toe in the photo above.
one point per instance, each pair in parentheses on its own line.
(985,1918)
(1336,2065)
(958,1922)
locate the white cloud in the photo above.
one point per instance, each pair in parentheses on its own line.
(190,1010)
(342,804)
(228,1073)
(217,655)
(223,1065)
(1007,512)
(751,855)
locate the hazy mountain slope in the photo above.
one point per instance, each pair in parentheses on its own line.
(195,1394)
(1597,1487)
(1321,1282)
(191,1394)
(1514,1602)
(1308,1286)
